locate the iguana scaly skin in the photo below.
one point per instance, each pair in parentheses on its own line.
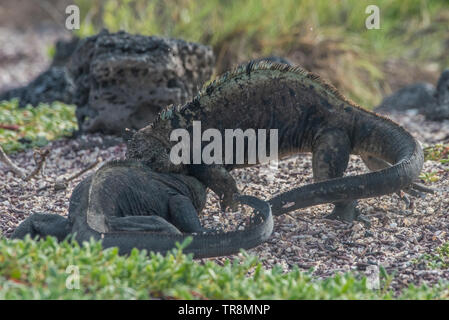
(127,205)
(311,116)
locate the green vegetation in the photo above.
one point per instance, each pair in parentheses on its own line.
(329,38)
(429,177)
(39,270)
(437,152)
(22,128)
(437,260)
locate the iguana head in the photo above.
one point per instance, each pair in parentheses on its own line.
(153,149)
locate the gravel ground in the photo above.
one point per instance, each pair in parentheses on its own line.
(303,238)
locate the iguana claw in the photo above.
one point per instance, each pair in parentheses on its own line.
(349,213)
(364,219)
(404,198)
(415,190)
(344,212)
(229,201)
(418,190)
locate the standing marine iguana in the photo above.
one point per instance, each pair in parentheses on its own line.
(127,205)
(311,116)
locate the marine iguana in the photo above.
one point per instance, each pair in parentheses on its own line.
(127,205)
(311,116)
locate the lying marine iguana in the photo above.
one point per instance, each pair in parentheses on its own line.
(311,116)
(127,205)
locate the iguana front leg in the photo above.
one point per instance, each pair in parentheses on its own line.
(331,151)
(184,215)
(219,180)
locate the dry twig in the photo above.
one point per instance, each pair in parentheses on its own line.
(39,164)
(18,171)
(91,166)
(12,127)
(62,184)
(5,159)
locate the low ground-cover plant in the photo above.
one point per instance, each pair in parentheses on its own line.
(438,152)
(439,259)
(22,128)
(47,269)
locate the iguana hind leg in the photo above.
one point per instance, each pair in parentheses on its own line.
(330,158)
(141,223)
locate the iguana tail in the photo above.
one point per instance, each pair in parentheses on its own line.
(379,137)
(202,246)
